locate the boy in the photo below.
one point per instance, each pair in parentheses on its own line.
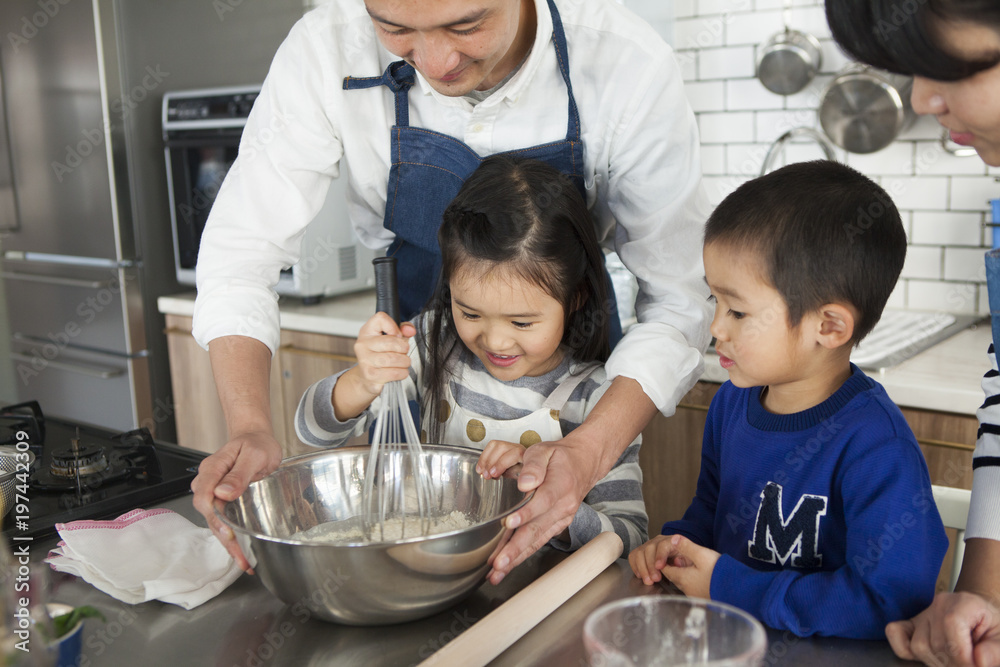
(813,508)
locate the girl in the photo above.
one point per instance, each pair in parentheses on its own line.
(509,351)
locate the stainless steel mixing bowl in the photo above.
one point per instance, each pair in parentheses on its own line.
(369,584)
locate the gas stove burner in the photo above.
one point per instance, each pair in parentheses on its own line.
(98,465)
(68,501)
(83,471)
(82,460)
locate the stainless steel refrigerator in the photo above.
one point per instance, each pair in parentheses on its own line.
(84,214)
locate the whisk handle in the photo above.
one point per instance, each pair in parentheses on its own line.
(386,289)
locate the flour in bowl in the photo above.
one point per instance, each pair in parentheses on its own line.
(334,532)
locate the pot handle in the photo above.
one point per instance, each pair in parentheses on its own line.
(950,146)
(780,142)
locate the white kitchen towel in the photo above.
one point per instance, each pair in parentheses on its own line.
(146,555)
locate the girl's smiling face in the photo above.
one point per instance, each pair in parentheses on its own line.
(511,324)
(969,108)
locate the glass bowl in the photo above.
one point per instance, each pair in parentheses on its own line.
(668,630)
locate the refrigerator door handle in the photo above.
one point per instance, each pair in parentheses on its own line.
(9,219)
(67,260)
(102,372)
(52,280)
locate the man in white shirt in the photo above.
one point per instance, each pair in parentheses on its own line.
(583,84)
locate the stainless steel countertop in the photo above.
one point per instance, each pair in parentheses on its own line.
(246,626)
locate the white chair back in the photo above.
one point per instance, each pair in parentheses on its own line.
(953,506)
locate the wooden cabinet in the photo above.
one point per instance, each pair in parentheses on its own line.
(671,456)
(200,424)
(197,411)
(306,358)
(947,441)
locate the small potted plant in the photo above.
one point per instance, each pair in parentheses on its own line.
(67,626)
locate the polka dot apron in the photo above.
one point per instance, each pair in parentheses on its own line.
(465,427)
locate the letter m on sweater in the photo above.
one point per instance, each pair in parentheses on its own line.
(792,541)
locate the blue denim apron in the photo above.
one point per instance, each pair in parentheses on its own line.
(428,169)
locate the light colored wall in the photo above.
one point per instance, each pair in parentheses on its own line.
(658,13)
(942,198)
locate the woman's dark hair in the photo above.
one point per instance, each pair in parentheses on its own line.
(822,232)
(898,35)
(526,218)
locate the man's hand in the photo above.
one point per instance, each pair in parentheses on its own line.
(957,630)
(562,473)
(226,474)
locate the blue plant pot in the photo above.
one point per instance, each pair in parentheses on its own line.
(70,644)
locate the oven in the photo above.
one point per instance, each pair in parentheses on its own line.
(201,133)
(82,471)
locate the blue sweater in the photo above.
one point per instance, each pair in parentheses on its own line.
(824,518)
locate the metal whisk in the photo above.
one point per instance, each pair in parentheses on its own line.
(395,443)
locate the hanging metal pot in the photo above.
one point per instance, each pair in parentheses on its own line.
(863,109)
(789,61)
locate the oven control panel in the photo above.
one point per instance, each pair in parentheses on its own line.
(224,107)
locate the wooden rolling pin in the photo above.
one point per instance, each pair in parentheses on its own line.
(509,622)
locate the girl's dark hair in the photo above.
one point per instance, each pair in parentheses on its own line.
(897,35)
(524,217)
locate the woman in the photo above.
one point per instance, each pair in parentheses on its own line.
(952,49)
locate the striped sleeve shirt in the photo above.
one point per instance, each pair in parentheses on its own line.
(984,512)
(615,503)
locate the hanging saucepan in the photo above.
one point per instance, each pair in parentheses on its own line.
(789,61)
(863,109)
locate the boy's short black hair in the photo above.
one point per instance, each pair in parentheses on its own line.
(825,234)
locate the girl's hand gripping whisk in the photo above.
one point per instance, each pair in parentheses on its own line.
(386,490)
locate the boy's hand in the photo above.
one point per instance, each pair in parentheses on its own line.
(648,560)
(499,459)
(383,352)
(692,569)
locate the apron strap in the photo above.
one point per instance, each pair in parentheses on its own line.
(398,77)
(558,398)
(562,55)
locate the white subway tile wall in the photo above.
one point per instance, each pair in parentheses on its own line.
(947,228)
(944,200)
(923,262)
